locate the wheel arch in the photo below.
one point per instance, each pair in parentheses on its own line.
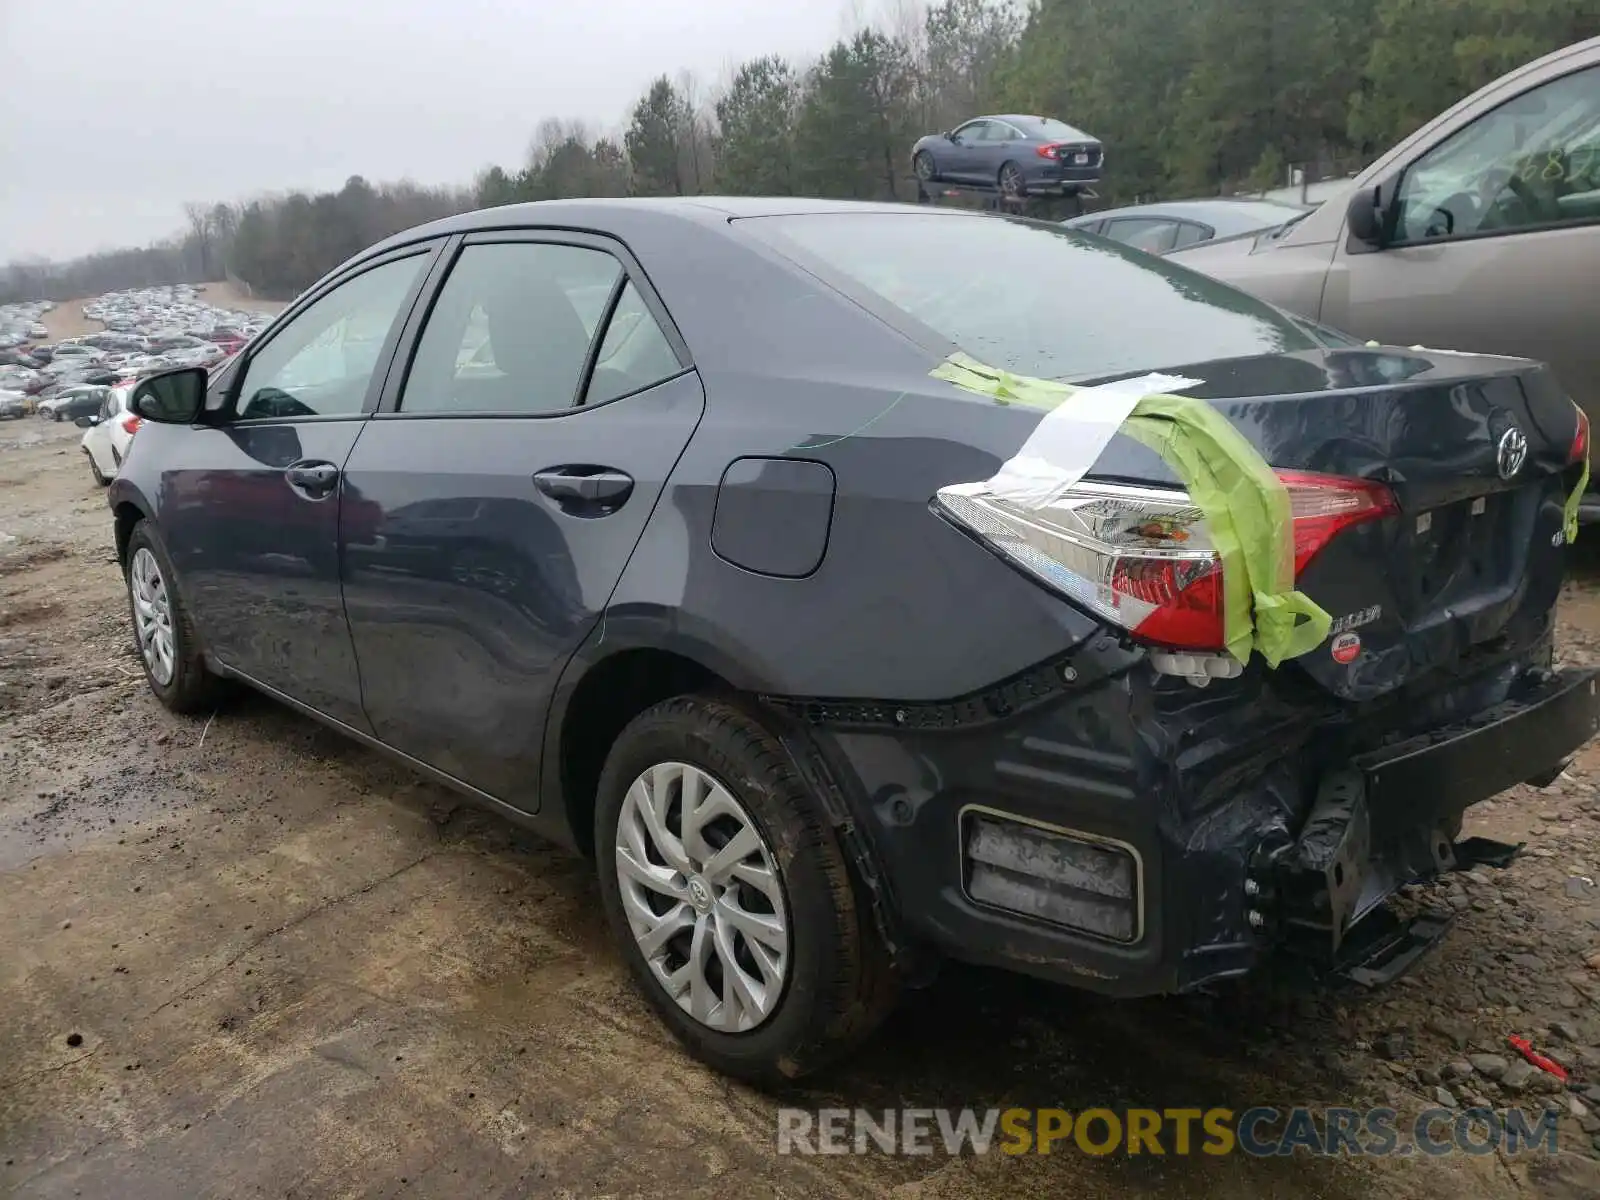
(126,513)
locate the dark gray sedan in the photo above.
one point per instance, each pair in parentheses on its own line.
(664,528)
(1158,228)
(1020,155)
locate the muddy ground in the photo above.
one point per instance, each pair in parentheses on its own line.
(241,956)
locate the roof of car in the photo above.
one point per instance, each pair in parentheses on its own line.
(1210,210)
(600,211)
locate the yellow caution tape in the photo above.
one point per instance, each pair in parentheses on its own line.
(1246,506)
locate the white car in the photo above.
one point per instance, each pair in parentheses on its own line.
(110,434)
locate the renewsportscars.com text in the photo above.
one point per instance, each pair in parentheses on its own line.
(1259,1132)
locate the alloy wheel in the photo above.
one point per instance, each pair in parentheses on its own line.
(1010,180)
(152,615)
(702,896)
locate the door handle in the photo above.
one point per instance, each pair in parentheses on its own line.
(315,479)
(579,488)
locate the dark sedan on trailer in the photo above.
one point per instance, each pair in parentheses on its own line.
(1018,154)
(645,523)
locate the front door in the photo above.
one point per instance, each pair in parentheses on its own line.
(509,476)
(1496,245)
(253,519)
(965,154)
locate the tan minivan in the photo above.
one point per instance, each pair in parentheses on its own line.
(1481,231)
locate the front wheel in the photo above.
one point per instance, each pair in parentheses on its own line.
(922,164)
(725,885)
(163,633)
(94,469)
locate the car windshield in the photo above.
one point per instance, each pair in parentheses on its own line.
(1033,298)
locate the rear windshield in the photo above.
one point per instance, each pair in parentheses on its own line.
(1035,299)
(1052,128)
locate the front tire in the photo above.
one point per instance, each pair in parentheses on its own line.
(726,887)
(163,633)
(94,469)
(922,164)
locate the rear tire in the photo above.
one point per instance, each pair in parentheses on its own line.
(833,983)
(179,677)
(1010,181)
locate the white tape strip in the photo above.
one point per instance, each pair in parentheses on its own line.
(1069,438)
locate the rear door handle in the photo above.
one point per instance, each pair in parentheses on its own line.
(315,479)
(578,488)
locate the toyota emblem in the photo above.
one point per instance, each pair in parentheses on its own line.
(1511,453)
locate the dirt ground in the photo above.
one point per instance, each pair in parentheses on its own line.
(67,320)
(241,956)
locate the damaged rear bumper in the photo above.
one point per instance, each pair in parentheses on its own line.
(1393,815)
(1134,837)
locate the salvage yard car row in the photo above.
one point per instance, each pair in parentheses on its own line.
(146,330)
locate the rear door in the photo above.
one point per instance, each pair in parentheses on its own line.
(1496,245)
(253,504)
(500,490)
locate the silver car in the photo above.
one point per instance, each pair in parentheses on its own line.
(1479,232)
(1175,224)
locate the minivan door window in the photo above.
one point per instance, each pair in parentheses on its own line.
(1532,162)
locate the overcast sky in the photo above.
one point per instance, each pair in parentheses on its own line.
(114,114)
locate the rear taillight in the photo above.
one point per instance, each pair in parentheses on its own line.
(1580,439)
(1048,150)
(1142,558)
(130,425)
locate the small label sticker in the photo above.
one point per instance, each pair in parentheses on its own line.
(1345,647)
(1479,506)
(1424,522)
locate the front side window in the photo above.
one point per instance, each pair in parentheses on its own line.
(511,330)
(1153,235)
(1534,161)
(321,362)
(1032,298)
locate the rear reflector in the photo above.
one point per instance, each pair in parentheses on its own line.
(1142,557)
(1580,439)
(1052,875)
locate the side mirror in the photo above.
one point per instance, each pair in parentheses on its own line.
(949,135)
(87,422)
(172,397)
(1364,218)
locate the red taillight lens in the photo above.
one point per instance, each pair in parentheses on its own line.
(1580,440)
(1048,150)
(1142,557)
(1325,504)
(131,424)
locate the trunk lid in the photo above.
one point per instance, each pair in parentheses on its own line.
(1476,452)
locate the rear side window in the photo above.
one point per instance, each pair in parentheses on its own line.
(511,330)
(635,353)
(1035,299)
